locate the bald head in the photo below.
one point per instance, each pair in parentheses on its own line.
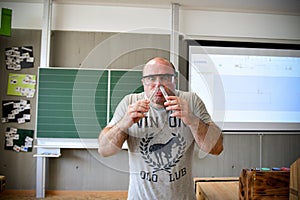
(159,72)
(158,62)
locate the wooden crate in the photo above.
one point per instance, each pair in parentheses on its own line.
(295,181)
(2,183)
(264,184)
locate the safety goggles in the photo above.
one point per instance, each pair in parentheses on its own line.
(162,78)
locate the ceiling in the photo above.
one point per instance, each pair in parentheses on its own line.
(288,7)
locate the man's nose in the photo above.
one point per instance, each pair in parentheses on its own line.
(157,81)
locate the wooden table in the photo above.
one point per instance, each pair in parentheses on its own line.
(223,188)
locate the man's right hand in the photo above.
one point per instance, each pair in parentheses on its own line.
(134,113)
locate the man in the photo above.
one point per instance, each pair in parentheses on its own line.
(161,126)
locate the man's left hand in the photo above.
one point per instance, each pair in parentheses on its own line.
(180,108)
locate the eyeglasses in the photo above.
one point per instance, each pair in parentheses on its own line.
(163,79)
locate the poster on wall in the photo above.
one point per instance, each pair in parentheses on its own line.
(21,85)
(19,140)
(16,111)
(17,58)
(5,19)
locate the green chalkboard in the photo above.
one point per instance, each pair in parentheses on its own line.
(74,103)
(123,83)
(71,103)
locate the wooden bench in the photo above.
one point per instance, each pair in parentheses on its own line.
(223,188)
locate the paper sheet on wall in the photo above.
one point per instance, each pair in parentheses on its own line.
(21,85)
(6,16)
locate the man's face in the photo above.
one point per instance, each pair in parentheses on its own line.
(156,75)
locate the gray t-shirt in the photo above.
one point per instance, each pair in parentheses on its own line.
(161,150)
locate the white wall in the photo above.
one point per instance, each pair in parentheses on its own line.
(91,18)
(193,23)
(240,25)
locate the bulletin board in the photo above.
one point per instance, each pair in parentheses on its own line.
(17,58)
(16,111)
(21,85)
(19,140)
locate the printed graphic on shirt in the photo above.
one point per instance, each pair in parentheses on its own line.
(162,156)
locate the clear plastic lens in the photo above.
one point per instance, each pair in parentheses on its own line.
(162,78)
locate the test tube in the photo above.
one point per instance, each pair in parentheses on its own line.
(150,97)
(162,89)
(152,94)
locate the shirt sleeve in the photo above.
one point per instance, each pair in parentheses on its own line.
(120,111)
(198,108)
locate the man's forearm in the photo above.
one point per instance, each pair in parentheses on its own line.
(111,140)
(208,136)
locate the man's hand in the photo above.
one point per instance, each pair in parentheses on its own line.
(208,136)
(134,113)
(180,108)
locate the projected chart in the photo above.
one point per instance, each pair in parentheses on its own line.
(256,88)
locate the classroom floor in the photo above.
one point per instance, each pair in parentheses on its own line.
(65,195)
